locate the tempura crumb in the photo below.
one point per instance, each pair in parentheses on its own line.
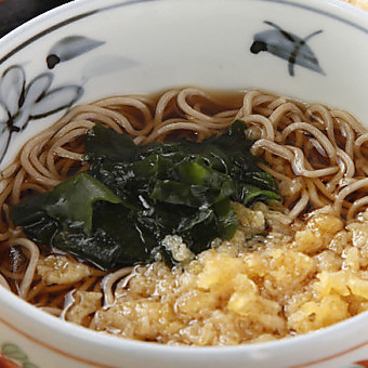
(61,270)
(279,286)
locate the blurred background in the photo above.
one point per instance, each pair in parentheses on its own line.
(15,12)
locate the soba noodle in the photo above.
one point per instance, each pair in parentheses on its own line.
(318,155)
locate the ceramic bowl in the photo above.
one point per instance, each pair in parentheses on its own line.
(310,49)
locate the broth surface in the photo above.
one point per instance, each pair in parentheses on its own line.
(292,267)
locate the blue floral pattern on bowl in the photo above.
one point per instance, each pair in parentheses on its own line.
(22,101)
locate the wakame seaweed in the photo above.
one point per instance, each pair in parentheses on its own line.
(118,212)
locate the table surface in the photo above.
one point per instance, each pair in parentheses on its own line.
(15,12)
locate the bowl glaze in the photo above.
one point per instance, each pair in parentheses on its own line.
(309,49)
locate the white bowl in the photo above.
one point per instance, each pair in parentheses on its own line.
(95,48)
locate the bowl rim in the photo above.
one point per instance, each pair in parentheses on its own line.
(71,330)
(337,8)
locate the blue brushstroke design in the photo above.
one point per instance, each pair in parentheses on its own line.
(318,11)
(287,46)
(69,48)
(66,22)
(135,2)
(21,102)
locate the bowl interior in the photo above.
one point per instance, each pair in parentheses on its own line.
(300,49)
(91,49)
